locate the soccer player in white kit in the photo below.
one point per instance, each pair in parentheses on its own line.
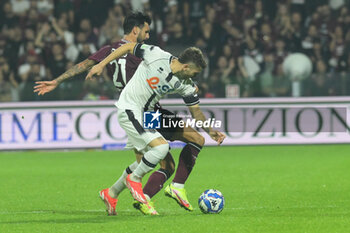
(159,74)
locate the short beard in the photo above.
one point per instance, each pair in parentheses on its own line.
(182,75)
(139,40)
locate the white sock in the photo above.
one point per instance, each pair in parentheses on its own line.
(149,160)
(141,170)
(119,186)
(178,185)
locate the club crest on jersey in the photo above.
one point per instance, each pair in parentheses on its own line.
(151,120)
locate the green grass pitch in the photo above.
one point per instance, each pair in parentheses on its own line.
(267,189)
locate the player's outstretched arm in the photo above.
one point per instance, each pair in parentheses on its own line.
(197,114)
(122,50)
(43,87)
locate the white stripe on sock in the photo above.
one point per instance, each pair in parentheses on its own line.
(178,185)
(166,177)
(195,146)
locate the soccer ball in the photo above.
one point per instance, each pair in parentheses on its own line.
(211,201)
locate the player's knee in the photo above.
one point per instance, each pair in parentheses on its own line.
(164,148)
(161,150)
(194,137)
(168,164)
(170,168)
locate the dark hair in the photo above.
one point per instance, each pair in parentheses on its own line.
(194,55)
(135,19)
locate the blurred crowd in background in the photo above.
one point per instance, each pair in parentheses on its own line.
(245,42)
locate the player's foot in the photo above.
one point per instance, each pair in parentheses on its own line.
(136,190)
(179,195)
(109,201)
(146,209)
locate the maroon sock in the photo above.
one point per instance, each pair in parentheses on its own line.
(187,160)
(155,182)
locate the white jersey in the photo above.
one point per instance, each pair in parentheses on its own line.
(152,80)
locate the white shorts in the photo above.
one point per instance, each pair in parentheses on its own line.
(138,137)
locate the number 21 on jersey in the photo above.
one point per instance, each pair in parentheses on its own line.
(119,66)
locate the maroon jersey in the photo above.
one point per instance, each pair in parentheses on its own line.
(121,69)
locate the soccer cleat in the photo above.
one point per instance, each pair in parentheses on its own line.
(109,201)
(135,189)
(179,195)
(146,209)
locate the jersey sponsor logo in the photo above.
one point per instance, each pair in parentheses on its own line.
(151,120)
(162,90)
(152,82)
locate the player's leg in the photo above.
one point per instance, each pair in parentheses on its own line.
(151,141)
(187,160)
(188,155)
(155,183)
(110,195)
(167,167)
(119,185)
(140,140)
(158,149)
(158,178)
(194,143)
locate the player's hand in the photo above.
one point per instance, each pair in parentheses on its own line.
(217,136)
(197,89)
(43,87)
(95,70)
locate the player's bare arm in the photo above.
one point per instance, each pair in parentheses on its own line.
(197,114)
(75,70)
(43,87)
(122,50)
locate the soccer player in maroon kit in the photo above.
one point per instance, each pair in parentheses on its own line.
(136,29)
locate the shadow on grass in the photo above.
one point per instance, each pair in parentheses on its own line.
(96,216)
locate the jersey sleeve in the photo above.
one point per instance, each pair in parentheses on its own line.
(188,92)
(150,53)
(101,54)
